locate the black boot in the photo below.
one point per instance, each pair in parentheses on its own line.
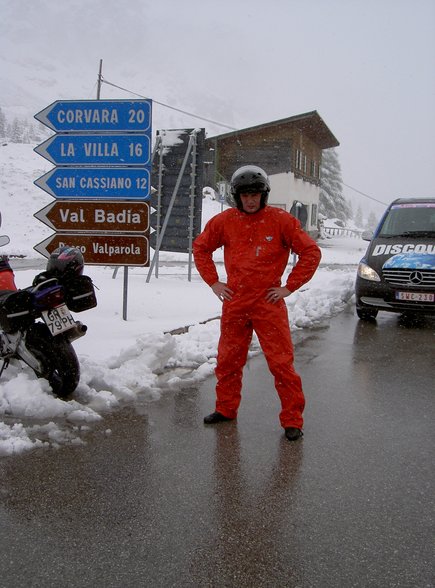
(216,417)
(292,433)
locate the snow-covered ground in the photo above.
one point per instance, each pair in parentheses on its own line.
(124,361)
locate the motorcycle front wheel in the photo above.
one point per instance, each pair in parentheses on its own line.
(59,362)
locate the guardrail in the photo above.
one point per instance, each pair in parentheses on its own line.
(342,232)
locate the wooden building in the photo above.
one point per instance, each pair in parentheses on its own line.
(289,150)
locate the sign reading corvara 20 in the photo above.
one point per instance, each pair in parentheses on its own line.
(66,116)
(102,151)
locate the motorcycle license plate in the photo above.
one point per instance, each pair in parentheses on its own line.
(58,319)
(415,296)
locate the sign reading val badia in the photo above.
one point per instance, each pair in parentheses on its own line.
(101,182)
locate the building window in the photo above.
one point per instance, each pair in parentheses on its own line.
(301,161)
(314,215)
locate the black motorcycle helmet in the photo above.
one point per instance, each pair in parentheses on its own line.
(65,261)
(250,178)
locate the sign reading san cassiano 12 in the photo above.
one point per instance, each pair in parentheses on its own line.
(102,151)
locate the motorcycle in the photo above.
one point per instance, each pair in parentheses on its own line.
(36,324)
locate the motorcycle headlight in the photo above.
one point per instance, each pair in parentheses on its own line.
(367,273)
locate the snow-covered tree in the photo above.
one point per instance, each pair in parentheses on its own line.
(3,124)
(332,203)
(359,221)
(34,135)
(372,221)
(42,131)
(350,207)
(25,135)
(16,131)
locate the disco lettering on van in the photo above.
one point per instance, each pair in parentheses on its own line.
(394,249)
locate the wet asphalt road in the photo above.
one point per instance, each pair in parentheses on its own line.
(165,501)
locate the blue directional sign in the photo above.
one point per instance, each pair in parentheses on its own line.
(90,149)
(65,116)
(115,182)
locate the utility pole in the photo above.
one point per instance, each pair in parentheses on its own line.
(125,286)
(100,79)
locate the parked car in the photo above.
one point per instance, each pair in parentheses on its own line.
(397,272)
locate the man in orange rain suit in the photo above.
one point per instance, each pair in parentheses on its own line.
(257,240)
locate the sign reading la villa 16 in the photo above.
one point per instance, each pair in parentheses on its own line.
(93,149)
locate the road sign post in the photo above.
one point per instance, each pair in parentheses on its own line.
(101,182)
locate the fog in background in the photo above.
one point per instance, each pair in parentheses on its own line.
(367,67)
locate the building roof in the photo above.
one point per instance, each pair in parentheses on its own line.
(310,123)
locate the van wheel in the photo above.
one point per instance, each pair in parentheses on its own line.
(366,314)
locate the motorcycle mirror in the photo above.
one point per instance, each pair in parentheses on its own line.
(4,240)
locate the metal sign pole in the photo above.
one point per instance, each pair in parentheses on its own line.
(125,293)
(169,210)
(111,142)
(159,202)
(192,204)
(125,288)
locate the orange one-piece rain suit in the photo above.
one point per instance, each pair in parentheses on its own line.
(256,252)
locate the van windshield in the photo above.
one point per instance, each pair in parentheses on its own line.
(404,220)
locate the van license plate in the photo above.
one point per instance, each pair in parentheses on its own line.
(416,296)
(58,319)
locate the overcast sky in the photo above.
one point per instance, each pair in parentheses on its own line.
(367,67)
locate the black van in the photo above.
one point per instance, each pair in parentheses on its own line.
(397,272)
